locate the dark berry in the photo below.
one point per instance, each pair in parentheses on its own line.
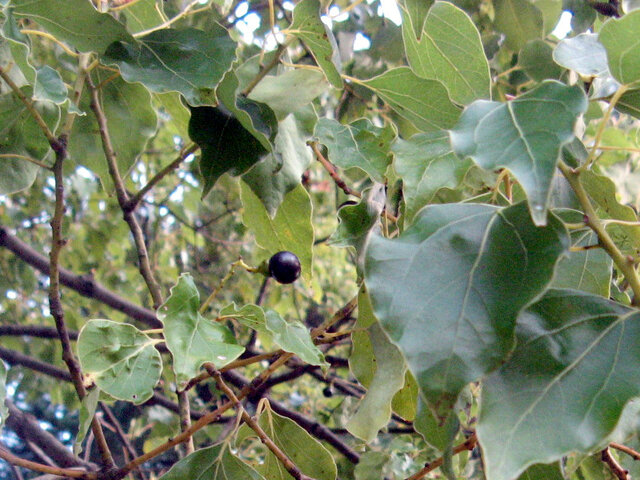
(327,392)
(284,267)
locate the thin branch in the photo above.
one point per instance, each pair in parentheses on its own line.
(135,200)
(123,198)
(266,69)
(625,265)
(614,466)
(331,170)
(33,331)
(38,467)
(185,420)
(78,87)
(53,141)
(26,159)
(468,444)
(85,285)
(288,464)
(628,450)
(123,437)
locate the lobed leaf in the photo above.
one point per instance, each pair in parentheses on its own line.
(446,46)
(525,135)
(447,291)
(121,360)
(192,339)
(573,371)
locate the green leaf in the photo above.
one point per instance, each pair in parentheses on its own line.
(373,466)
(425,103)
(524,135)
(121,360)
(192,62)
(437,434)
(602,191)
(4,411)
(290,91)
(278,173)
(47,83)
(290,229)
(536,58)
(405,401)
(88,407)
(292,337)
(519,20)
(212,463)
(573,371)
(426,163)
(583,54)
(360,145)
(588,270)
(620,39)
(629,103)
(143,15)
(374,410)
(192,339)
(308,27)
(76,22)
(131,121)
(543,472)
(21,135)
(459,276)
(309,455)
(446,46)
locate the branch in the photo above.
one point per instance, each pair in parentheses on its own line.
(623,448)
(123,437)
(33,331)
(288,464)
(625,265)
(38,467)
(468,444)
(266,69)
(613,465)
(85,285)
(333,173)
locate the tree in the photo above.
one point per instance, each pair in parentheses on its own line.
(458,191)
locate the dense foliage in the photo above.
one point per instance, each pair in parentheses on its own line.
(457,188)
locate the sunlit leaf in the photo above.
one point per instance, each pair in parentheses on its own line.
(120,359)
(87,411)
(524,135)
(192,339)
(446,46)
(620,39)
(582,53)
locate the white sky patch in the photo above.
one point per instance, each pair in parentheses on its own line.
(564,25)
(288,5)
(241,9)
(334,13)
(389,8)
(361,42)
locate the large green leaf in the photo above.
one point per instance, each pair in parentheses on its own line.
(188,61)
(306,452)
(276,174)
(76,22)
(143,15)
(524,135)
(584,54)
(447,47)
(360,145)
(121,360)
(543,472)
(291,336)
(21,135)
(587,270)
(426,163)
(290,229)
(131,121)
(374,410)
(447,291)
(192,339)
(308,27)
(519,20)
(536,59)
(602,191)
(4,411)
(425,103)
(575,367)
(212,463)
(620,39)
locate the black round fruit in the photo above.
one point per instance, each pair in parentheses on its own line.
(284,267)
(327,391)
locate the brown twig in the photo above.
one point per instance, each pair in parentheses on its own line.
(288,464)
(468,444)
(628,450)
(331,170)
(613,465)
(38,467)
(265,69)
(139,473)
